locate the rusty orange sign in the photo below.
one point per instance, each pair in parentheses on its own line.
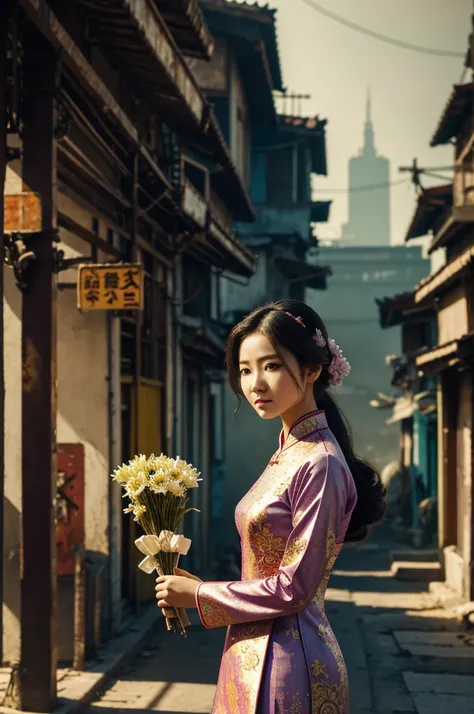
(22,213)
(110,286)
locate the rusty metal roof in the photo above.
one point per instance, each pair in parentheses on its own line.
(188,27)
(457,111)
(431,207)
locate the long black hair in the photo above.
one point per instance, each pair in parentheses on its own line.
(283,331)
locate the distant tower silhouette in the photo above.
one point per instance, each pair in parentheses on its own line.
(369,211)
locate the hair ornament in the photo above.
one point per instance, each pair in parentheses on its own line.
(319,338)
(297,319)
(339,367)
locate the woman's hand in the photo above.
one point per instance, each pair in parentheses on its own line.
(177,590)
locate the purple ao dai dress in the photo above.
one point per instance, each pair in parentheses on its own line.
(280,654)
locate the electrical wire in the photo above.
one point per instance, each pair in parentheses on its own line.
(372,187)
(378,35)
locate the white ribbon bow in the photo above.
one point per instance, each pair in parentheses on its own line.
(167,541)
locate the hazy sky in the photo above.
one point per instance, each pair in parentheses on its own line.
(409,90)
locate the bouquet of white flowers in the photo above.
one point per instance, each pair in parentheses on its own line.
(158,487)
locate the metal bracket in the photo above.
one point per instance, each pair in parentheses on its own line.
(61,263)
(20,257)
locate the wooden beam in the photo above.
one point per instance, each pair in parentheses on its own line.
(38,541)
(91,238)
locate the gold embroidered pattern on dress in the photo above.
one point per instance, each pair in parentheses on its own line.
(214,615)
(250,658)
(293,551)
(328,698)
(332,551)
(297,517)
(268,550)
(293,631)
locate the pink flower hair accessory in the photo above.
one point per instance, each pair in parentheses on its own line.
(339,367)
(299,320)
(319,338)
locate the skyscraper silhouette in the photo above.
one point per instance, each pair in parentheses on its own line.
(369,209)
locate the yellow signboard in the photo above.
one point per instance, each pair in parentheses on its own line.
(110,286)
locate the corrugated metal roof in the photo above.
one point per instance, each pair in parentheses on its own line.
(188,27)
(457,110)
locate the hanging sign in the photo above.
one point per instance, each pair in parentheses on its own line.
(110,286)
(22,213)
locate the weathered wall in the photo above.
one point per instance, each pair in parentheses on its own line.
(453,319)
(83,388)
(12,303)
(12,502)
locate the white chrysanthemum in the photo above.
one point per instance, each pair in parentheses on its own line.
(121,474)
(160,488)
(161,463)
(174,487)
(136,484)
(156,479)
(138,511)
(129,508)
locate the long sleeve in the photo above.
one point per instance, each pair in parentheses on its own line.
(318,495)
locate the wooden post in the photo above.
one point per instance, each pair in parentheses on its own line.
(79,610)
(38,573)
(4,12)
(137,374)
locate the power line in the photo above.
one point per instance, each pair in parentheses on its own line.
(356,189)
(379,36)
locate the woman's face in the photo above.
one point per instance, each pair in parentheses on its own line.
(266,382)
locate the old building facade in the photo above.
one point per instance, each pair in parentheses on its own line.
(114,155)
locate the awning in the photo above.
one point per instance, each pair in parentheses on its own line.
(188,27)
(451,354)
(432,203)
(456,112)
(440,280)
(401,309)
(456,223)
(313,276)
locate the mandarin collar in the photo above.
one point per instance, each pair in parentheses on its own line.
(305,425)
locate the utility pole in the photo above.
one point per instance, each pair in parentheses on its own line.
(37,678)
(415,173)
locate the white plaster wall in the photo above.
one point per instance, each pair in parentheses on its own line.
(83,407)
(12,501)
(12,303)
(83,387)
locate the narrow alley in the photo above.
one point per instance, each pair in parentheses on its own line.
(404,652)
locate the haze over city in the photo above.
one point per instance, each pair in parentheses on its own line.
(409,89)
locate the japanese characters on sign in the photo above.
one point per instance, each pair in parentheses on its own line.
(110,286)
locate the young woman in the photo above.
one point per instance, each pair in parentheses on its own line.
(280,653)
